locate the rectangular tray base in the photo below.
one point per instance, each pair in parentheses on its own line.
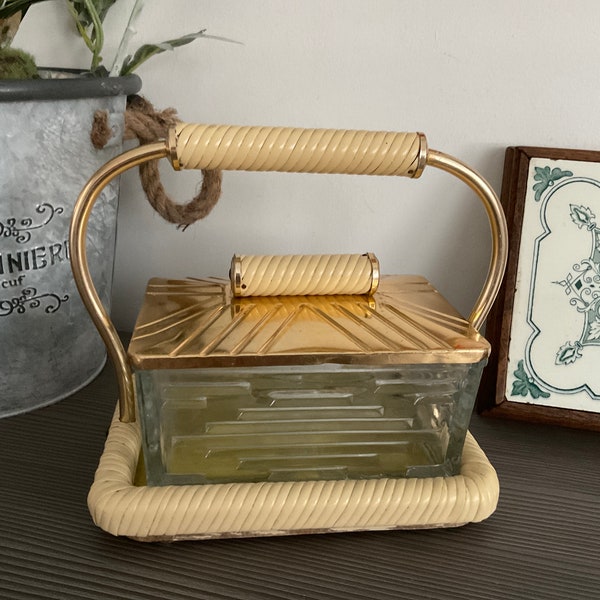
(193,512)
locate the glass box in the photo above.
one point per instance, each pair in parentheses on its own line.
(302,387)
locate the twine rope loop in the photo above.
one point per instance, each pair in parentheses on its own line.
(144,123)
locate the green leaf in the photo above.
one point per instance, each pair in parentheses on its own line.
(85,16)
(546,178)
(519,389)
(535,392)
(89,17)
(594,333)
(568,353)
(539,188)
(524,384)
(100,71)
(147,51)
(582,216)
(520,372)
(10,7)
(89,24)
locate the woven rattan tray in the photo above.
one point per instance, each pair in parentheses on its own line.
(122,505)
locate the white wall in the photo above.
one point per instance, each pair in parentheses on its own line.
(476,76)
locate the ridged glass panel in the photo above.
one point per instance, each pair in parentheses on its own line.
(305,423)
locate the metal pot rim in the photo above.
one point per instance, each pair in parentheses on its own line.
(68,84)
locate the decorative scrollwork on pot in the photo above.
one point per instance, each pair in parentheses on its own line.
(21,229)
(30,299)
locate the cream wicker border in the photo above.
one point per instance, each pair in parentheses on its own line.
(260,509)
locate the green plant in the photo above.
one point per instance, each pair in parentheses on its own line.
(89,16)
(17,64)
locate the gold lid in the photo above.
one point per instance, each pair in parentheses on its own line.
(195,323)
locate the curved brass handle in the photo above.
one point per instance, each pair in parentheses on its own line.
(276,149)
(81,271)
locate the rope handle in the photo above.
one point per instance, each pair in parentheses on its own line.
(276,149)
(146,124)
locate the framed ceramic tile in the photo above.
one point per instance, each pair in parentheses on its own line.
(545,325)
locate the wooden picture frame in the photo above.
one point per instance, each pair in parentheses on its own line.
(545,325)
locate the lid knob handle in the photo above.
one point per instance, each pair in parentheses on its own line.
(304,275)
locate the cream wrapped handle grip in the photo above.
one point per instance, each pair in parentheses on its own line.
(304,275)
(279,149)
(295,150)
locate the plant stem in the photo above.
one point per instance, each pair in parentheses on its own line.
(98,35)
(129,32)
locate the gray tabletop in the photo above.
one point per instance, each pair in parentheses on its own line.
(542,542)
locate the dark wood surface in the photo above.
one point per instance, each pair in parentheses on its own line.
(543,542)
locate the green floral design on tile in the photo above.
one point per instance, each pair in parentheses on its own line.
(524,384)
(582,287)
(545,178)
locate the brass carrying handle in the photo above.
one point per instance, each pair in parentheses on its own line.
(276,149)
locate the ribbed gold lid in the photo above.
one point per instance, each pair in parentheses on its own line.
(195,323)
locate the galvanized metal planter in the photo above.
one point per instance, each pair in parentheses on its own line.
(48,345)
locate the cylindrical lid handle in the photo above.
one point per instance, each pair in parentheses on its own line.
(304,275)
